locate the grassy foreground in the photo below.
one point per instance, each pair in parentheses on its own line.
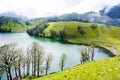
(106,69)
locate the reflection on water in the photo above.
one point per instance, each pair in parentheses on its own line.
(51,46)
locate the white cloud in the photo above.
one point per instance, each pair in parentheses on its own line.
(39,8)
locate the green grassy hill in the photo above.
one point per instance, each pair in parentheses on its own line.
(80,33)
(11,24)
(100,35)
(88,33)
(71,29)
(106,69)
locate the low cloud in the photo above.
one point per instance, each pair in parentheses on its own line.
(39,8)
(72,3)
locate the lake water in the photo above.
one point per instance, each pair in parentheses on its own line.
(23,40)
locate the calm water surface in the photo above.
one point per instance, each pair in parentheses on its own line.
(23,40)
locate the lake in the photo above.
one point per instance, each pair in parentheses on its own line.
(23,40)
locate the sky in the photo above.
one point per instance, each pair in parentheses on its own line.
(43,8)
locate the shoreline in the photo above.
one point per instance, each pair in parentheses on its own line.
(112,50)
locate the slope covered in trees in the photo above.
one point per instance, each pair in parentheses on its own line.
(11,24)
(38,29)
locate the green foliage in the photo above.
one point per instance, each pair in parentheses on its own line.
(38,30)
(96,70)
(82,32)
(53,34)
(62,35)
(10,24)
(94,26)
(88,34)
(32,23)
(75,29)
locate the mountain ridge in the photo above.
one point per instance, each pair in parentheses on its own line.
(12,14)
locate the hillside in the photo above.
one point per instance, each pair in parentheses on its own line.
(90,30)
(33,22)
(72,29)
(107,69)
(11,24)
(81,33)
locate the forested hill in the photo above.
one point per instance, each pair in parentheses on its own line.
(79,33)
(74,29)
(11,24)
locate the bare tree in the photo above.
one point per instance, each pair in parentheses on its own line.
(92,53)
(62,61)
(34,57)
(40,59)
(8,56)
(87,54)
(28,61)
(15,65)
(20,61)
(37,53)
(24,65)
(48,61)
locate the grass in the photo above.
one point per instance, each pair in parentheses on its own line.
(103,36)
(106,69)
(72,31)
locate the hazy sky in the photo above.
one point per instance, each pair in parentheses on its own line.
(42,8)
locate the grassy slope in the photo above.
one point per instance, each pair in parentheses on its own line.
(19,28)
(107,36)
(107,69)
(15,27)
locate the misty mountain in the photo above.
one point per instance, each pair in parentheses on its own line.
(12,14)
(109,15)
(94,17)
(68,17)
(86,17)
(111,11)
(6,20)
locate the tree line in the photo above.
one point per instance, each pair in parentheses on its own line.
(33,61)
(7,23)
(39,31)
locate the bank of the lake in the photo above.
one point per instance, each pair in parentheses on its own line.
(112,47)
(101,35)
